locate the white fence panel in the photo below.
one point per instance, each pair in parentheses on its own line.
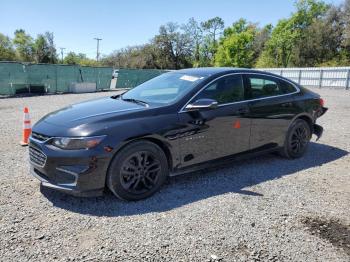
(331,77)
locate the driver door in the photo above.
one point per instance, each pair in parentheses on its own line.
(209,134)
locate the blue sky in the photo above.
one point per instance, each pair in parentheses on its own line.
(129,22)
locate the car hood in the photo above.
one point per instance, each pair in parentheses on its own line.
(90,111)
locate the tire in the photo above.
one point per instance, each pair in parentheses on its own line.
(137,171)
(297,140)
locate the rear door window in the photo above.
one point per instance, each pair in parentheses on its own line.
(263,86)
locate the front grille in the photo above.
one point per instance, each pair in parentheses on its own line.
(40,137)
(37,157)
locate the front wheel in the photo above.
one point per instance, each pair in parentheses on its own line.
(137,171)
(297,139)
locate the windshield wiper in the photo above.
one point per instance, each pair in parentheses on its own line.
(136,101)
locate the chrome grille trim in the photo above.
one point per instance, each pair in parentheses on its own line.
(40,137)
(37,157)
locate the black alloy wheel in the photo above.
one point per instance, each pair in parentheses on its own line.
(137,171)
(140,172)
(297,139)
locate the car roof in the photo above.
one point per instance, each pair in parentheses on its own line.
(209,71)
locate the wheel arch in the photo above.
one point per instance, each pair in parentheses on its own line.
(157,141)
(304,116)
(307,118)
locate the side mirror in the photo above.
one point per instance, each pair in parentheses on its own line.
(204,103)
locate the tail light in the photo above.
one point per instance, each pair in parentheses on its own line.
(321,101)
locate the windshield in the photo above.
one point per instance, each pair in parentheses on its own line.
(163,89)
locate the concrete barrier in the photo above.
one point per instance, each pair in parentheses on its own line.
(82,87)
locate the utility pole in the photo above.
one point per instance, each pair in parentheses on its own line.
(62,48)
(98,48)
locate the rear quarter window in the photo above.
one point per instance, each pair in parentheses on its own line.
(287,87)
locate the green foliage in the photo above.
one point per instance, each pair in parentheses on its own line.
(280,46)
(174,46)
(238,27)
(345,18)
(241,44)
(79,59)
(194,32)
(44,49)
(73,59)
(236,49)
(315,34)
(213,26)
(7,52)
(24,46)
(321,41)
(288,33)
(26,49)
(213,29)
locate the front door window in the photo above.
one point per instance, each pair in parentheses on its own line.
(224,90)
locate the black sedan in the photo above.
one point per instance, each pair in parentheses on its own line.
(177,122)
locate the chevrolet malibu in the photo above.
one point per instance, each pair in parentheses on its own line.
(177,122)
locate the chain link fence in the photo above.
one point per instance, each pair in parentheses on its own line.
(18,78)
(129,78)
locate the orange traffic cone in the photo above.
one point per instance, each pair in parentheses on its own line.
(27,127)
(237,124)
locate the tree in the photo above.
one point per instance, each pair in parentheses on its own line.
(73,59)
(7,52)
(321,42)
(174,46)
(206,52)
(24,46)
(52,53)
(143,56)
(237,27)
(280,46)
(79,59)
(346,31)
(212,29)
(289,32)
(41,50)
(195,33)
(260,40)
(44,49)
(236,48)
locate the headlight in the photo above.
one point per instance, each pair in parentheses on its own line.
(75,143)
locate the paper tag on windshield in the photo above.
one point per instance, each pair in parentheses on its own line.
(189,78)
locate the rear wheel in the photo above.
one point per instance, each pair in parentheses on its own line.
(297,139)
(137,171)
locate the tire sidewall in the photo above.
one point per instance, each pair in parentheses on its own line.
(113,174)
(287,151)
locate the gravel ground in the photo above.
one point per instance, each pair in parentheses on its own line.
(262,209)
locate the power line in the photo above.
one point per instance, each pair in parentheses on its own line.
(98,48)
(62,49)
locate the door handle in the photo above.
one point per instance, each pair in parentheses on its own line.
(243,111)
(288,104)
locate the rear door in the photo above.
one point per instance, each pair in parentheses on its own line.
(214,133)
(271,109)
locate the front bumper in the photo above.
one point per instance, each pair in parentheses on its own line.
(77,172)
